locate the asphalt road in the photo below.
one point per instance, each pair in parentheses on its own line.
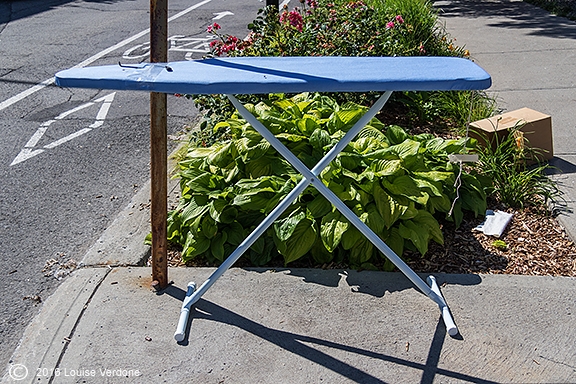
(71,159)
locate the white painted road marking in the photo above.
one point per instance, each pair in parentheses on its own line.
(29,150)
(219,15)
(178,43)
(22,95)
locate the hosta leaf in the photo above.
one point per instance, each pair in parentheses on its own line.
(387,207)
(406,148)
(418,235)
(402,185)
(255,152)
(205,183)
(250,135)
(457,214)
(278,125)
(473,201)
(208,227)
(344,192)
(221,155)
(331,229)
(285,228)
(424,218)
(199,152)
(384,168)
(292,137)
(192,211)
(395,241)
(223,212)
(440,204)
(217,246)
(351,237)
(319,139)
(349,160)
(319,206)
(436,176)
(367,144)
(253,201)
(375,221)
(396,135)
(454,146)
(259,168)
(301,241)
(361,252)
(307,125)
(195,245)
(409,211)
(264,183)
(290,107)
(374,135)
(174,226)
(319,253)
(265,253)
(234,233)
(434,188)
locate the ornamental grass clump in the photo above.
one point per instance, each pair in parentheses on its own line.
(399,184)
(517,180)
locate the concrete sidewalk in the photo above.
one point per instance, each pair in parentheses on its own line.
(105,325)
(531,56)
(301,326)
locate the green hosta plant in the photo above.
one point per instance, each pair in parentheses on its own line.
(398,184)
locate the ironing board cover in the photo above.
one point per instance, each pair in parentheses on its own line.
(257,75)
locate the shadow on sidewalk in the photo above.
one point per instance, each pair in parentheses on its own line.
(303,345)
(512,15)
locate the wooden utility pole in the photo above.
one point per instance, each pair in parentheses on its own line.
(159,147)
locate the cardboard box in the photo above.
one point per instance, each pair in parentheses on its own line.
(535,126)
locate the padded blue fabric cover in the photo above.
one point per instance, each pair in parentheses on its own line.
(254,75)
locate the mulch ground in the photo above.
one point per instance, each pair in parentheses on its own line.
(536,244)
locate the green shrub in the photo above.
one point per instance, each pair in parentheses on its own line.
(398,184)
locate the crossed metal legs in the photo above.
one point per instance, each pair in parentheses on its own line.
(311,177)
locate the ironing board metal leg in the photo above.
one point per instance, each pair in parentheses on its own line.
(332,198)
(429,291)
(247,243)
(310,177)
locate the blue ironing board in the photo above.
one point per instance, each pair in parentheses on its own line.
(257,75)
(261,75)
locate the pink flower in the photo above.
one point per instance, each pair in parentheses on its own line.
(312,3)
(213,27)
(399,19)
(390,25)
(294,18)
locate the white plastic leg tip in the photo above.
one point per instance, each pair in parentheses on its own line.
(178,336)
(453,331)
